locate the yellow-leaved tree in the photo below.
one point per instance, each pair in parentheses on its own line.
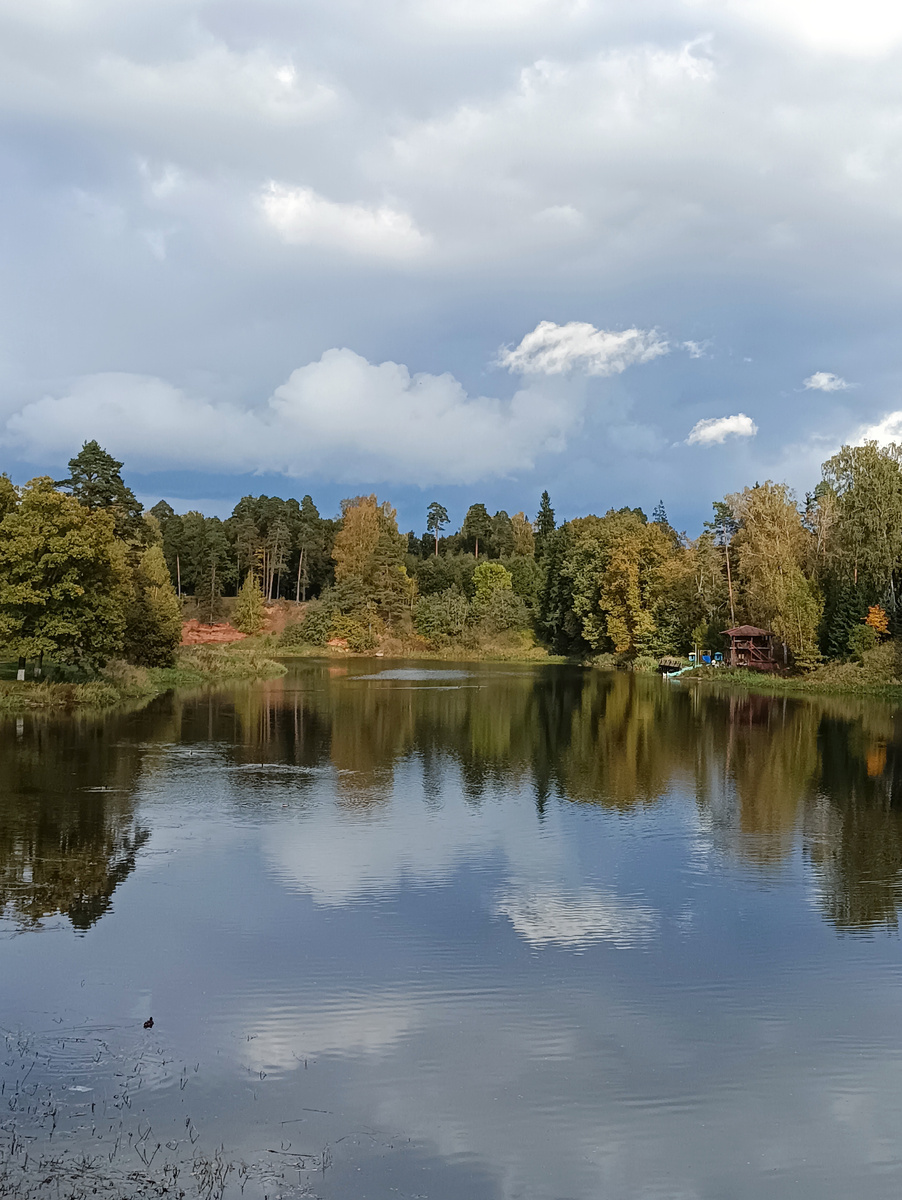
(772,548)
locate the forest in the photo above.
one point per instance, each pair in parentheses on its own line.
(87,575)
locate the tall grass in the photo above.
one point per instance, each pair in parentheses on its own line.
(120,681)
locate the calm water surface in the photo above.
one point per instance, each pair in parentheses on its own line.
(479,931)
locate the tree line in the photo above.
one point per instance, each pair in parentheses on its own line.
(86,574)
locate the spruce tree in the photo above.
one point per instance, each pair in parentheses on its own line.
(154,622)
(544,524)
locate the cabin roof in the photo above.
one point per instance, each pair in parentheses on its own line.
(747,631)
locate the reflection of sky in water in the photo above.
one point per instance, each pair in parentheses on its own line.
(464,992)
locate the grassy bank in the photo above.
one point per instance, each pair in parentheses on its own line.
(119,682)
(511,647)
(877,673)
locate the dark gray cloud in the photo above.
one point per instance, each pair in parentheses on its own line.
(202,200)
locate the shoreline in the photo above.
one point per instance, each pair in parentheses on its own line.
(799,685)
(120,684)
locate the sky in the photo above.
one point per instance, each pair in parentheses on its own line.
(454,250)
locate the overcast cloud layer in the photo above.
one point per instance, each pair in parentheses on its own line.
(451,249)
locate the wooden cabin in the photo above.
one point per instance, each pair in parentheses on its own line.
(750,648)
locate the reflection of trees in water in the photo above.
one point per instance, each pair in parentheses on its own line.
(764,770)
(500,728)
(854,826)
(68,831)
(771,761)
(628,738)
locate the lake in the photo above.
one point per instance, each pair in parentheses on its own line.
(453,931)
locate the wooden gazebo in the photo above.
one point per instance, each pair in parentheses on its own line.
(750,648)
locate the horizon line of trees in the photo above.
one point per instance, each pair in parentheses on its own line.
(86,574)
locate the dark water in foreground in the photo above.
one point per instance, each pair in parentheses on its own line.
(480,932)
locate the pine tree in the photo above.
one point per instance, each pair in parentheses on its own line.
(477,526)
(436,519)
(94,480)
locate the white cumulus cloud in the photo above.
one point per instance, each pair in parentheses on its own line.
(341,418)
(888,429)
(713,431)
(557,349)
(303,218)
(825,381)
(867,28)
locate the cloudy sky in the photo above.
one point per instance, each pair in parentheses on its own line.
(450,249)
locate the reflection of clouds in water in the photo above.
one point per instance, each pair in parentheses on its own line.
(476,1073)
(282,1037)
(338,857)
(545,917)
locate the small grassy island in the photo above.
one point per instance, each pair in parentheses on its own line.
(94,592)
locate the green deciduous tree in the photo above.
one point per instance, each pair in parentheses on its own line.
(863,545)
(9,495)
(615,568)
(489,577)
(523,535)
(526,577)
(772,547)
(63,578)
(369,555)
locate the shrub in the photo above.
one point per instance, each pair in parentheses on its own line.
(358,636)
(502,610)
(645,663)
(313,630)
(443,616)
(861,639)
(322,623)
(293,635)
